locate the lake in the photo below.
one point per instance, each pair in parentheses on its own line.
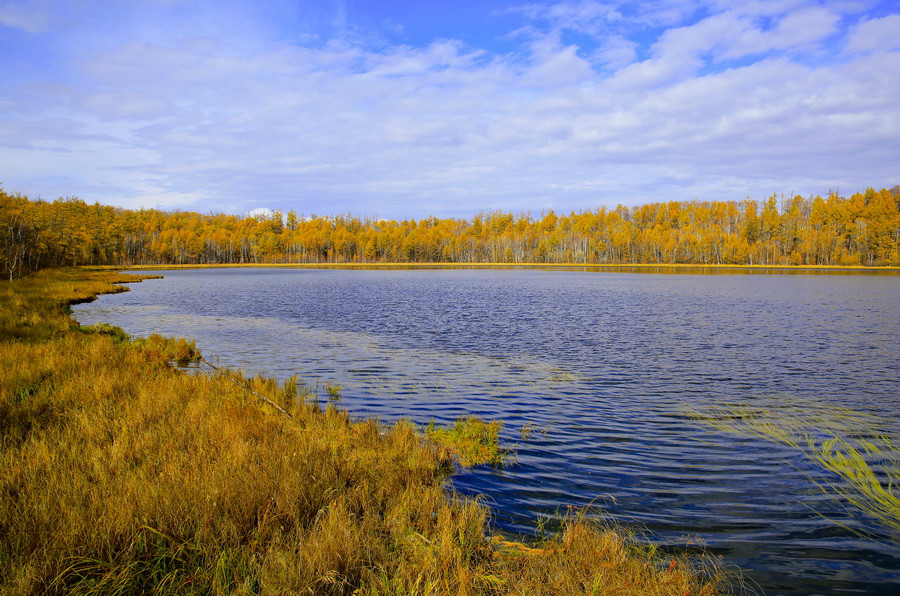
(600,368)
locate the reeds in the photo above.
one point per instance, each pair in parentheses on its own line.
(120,474)
(862,459)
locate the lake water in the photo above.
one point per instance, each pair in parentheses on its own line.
(602,367)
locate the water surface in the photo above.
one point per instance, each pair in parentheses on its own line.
(601,366)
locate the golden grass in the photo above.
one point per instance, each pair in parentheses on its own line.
(36,306)
(120,474)
(865,463)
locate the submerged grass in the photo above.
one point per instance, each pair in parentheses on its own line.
(120,474)
(863,462)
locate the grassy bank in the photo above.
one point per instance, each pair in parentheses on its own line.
(122,475)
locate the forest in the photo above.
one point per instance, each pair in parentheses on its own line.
(860,230)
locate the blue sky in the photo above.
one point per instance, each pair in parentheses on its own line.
(408,108)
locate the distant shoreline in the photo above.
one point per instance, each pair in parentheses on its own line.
(441,265)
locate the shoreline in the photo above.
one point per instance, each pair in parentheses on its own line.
(441,265)
(181,484)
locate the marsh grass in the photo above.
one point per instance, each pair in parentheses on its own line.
(120,474)
(333,391)
(860,460)
(472,440)
(172,349)
(36,307)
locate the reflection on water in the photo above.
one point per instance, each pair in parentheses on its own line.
(606,364)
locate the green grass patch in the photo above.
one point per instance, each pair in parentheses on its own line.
(472,440)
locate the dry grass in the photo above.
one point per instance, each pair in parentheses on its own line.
(36,306)
(121,475)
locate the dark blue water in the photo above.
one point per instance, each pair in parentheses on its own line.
(601,367)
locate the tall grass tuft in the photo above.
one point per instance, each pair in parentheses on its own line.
(472,440)
(120,474)
(863,460)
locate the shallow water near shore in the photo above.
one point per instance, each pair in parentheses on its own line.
(599,367)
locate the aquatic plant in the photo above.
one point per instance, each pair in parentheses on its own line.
(170,349)
(333,391)
(472,440)
(862,458)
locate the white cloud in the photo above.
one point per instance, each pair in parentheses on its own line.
(759,8)
(875,35)
(558,67)
(125,105)
(261,213)
(730,35)
(581,16)
(25,16)
(615,52)
(402,131)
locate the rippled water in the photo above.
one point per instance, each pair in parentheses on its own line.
(602,366)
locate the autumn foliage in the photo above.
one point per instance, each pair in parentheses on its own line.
(863,229)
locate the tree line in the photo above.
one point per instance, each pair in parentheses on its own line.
(863,229)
